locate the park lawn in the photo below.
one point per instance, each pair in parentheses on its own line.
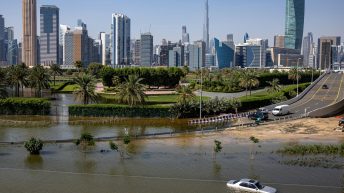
(70,88)
(57,85)
(154,99)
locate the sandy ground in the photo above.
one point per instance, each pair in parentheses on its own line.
(309,128)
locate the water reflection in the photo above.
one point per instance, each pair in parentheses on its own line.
(34,162)
(85,164)
(217,168)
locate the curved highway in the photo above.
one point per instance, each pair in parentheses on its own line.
(319,97)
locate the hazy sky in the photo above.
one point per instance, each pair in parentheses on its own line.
(260,18)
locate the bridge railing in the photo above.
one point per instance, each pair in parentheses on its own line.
(301,95)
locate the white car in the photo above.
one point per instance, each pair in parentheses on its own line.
(250,186)
(281,110)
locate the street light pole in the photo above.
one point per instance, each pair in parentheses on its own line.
(297,75)
(200,100)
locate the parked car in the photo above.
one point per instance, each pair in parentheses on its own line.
(250,186)
(324,86)
(281,110)
(261,114)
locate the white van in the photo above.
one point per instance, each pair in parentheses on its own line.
(281,110)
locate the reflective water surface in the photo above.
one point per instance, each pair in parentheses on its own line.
(167,165)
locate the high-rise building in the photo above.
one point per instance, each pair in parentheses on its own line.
(146,52)
(263,43)
(164,53)
(137,52)
(284,57)
(11,47)
(29,44)
(279,41)
(209,60)
(224,55)
(62,50)
(49,39)
(68,49)
(196,55)
(105,48)
(185,35)
(246,37)
(120,40)
(2,39)
(206,27)
(248,56)
(308,51)
(230,41)
(325,44)
(295,16)
(176,56)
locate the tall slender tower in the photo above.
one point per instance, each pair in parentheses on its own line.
(49,40)
(206,27)
(295,16)
(120,40)
(29,47)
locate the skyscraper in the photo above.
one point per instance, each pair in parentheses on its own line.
(2,38)
(295,16)
(120,40)
(49,39)
(196,55)
(206,27)
(105,48)
(325,51)
(62,50)
(29,47)
(246,37)
(185,35)
(279,41)
(146,52)
(224,55)
(263,43)
(307,51)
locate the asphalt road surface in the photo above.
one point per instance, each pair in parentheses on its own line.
(319,97)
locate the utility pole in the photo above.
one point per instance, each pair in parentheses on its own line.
(200,100)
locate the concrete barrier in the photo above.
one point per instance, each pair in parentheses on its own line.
(328,111)
(301,95)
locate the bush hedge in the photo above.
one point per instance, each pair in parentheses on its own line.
(168,77)
(24,106)
(257,100)
(114,110)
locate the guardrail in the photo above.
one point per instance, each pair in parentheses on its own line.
(219,119)
(301,95)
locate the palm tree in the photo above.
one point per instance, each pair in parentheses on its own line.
(185,94)
(3,76)
(39,79)
(86,91)
(17,77)
(55,71)
(236,104)
(274,85)
(248,80)
(131,91)
(294,75)
(78,64)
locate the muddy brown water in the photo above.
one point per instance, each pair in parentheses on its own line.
(175,165)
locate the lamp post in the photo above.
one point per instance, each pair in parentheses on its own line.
(200,99)
(297,75)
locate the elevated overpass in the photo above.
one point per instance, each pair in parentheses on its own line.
(317,101)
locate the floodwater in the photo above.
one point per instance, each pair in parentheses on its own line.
(181,165)
(153,166)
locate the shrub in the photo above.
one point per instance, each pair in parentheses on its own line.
(86,139)
(113,110)
(34,146)
(24,106)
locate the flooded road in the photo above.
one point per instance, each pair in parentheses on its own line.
(158,165)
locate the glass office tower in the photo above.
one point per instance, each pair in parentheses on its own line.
(295,15)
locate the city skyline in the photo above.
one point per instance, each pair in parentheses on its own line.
(170,29)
